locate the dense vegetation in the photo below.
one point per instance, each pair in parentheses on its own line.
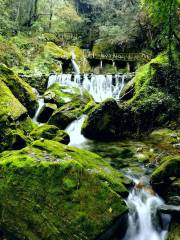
(49,190)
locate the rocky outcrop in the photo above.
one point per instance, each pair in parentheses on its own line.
(72,103)
(36,81)
(46,112)
(154,104)
(50,132)
(51,191)
(11,112)
(20,89)
(165,179)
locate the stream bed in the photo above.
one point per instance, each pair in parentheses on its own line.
(144,221)
(131,157)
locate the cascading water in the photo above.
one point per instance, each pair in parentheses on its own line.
(53,78)
(74,131)
(74,64)
(143,222)
(41,104)
(100,87)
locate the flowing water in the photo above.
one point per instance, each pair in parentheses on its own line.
(143,221)
(74,131)
(40,105)
(100,87)
(74,64)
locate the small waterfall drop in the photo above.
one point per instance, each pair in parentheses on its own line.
(143,222)
(53,78)
(74,64)
(74,131)
(41,104)
(100,87)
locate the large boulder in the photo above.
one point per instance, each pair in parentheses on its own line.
(20,89)
(153,104)
(102,122)
(52,191)
(50,132)
(11,113)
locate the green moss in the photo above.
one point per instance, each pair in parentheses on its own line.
(143,78)
(72,104)
(10,108)
(47,189)
(21,90)
(52,50)
(169,168)
(50,132)
(10,54)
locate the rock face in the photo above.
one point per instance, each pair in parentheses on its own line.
(166,178)
(11,111)
(152,105)
(71,102)
(46,112)
(102,122)
(50,132)
(51,191)
(20,89)
(37,82)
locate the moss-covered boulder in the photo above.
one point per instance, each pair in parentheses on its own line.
(50,132)
(11,112)
(72,103)
(51,191)
(153,104)
(166,178)
(102,121)
(20,89)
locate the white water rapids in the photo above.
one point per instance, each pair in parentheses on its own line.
(100,87)
(143,221)
(143,203)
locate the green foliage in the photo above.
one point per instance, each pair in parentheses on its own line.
(164,14)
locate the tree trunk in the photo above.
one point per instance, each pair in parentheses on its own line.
(170,33)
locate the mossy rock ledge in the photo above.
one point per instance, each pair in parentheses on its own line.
(20,89)
(51,191)
(166,182)
(72,102)
(166,178)
(50,132)
(153,104)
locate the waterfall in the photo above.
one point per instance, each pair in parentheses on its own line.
(41,104)
(143,222)
(53,78)
(74,64)
(74,131)
(100,87)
